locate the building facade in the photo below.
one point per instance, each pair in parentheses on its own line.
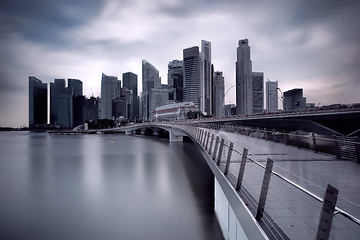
(130,82)
(157,98)
(271,96)
(65,107)
(37,102)
(244,85)
(294,100)
(175,111)
(176,80)
(109,89)
(76,85)
(206,79)
(258,92)
(219,95)
(55,88)
(192,75)
(150,80)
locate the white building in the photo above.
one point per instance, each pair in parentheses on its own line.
(271,96)
(175,111)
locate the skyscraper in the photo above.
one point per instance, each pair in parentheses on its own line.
(157,98)
(37,102)
(219,87)
(55,88)
(206,84)
(130,81)
(150,80)
(294,100)
(192,75)
(65,107)
(76,85)
(258,92)
(244,85)
(271,96)
(150,76)
(109,88)
(176,80)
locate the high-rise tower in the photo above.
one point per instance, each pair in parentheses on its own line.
(206,83)
(192,75)
(244,84)
(176,80)
(109,88)
(130,81)
(37,102)
(271,96)
(55,88)
(150,80)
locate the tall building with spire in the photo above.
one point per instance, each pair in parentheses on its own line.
(244,80)
(109,89)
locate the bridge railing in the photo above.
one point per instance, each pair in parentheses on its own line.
(347,148)
(282,205)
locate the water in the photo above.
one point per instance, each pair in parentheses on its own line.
(103,187)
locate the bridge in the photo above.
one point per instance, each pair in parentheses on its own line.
(268,184)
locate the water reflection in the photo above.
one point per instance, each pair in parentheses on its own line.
(104,187)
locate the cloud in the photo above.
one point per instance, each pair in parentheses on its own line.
(308,44)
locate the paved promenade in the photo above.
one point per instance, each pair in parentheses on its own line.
(296,213)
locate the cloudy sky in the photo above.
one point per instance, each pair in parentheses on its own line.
(314,45)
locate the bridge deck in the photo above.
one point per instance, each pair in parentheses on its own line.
(295,212)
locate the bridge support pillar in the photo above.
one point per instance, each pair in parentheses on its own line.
(174,138)
(128,132)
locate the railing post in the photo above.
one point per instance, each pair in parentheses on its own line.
(228,158)
(220,151)
(207,141)
(203,139)
(242,169)
(211,142)
(314,142)
(264,189)
(216,147)
(327,213)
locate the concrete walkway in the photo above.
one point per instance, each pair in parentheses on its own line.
(295,212)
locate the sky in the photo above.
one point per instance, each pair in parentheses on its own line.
(314,45)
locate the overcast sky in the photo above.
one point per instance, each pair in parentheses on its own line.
(314,45)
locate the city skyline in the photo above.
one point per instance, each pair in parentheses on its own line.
(309,45)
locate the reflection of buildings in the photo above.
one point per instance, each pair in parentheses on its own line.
(271,96)
(294,100)
(175,111)
(37,102)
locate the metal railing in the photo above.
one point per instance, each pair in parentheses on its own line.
(347,148)
(243,173)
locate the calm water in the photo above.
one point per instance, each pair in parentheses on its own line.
(103,187)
